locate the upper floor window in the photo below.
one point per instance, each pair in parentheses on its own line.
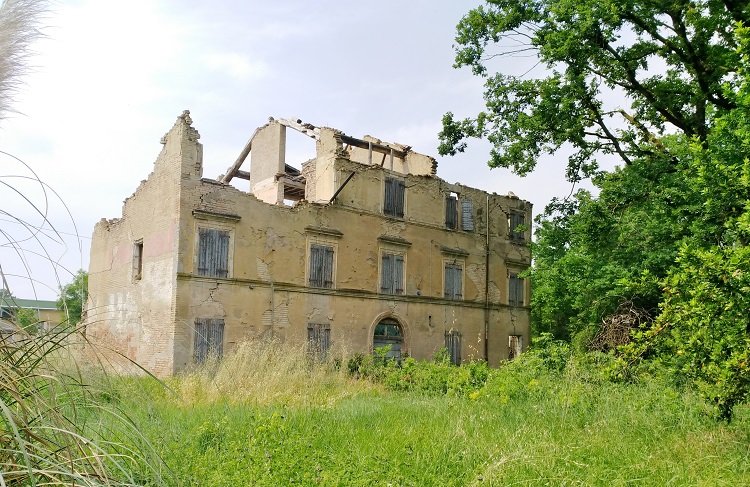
(467,215)
(138,260)
(213,252)
(515,290)
(516,220)
(451,211)
(453,285)
(321,266)
(392,274)
(393,203)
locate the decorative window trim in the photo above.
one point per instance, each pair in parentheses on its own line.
(326,232)
(400,186)
(454,263)
(321,242)
(211,215)
(396,254)
(454,251)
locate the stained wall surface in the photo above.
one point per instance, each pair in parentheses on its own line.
(267,291)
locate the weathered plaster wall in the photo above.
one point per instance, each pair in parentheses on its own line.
(136,316)
(151,319)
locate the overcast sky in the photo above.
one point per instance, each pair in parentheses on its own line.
(111,76)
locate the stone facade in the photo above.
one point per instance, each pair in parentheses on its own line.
(359,247)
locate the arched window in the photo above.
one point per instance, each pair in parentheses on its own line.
(389,332)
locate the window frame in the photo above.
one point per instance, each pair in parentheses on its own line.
(513,235)
(137,269)
(516,287)
(453,264)
(318,340)
(515,349)
(208,336)
(230,249)
(320,243)
(396,256)
(391,184)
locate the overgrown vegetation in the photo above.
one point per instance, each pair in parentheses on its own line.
(665,88)
(549,417)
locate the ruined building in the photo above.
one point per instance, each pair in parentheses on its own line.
(359,247)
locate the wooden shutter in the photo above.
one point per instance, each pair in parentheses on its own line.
(467,215)
(389,203)
(208,339)
(386,277)
(321,266)
(515,290)
(400,191)
(516,219)
(453,345)
(213,252)
(328,267)
(451,212)
(398,274)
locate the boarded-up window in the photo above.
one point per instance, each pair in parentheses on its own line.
(467,215)
(213,252)
(318,340)
(515,344)
(451,211)
(138,260)
(393,204)
(392,274)
(514,221)
(453,345)
(321,266)
(515,290)
(453,281)
(209,339)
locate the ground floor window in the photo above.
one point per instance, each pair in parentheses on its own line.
(318,340)
(515,343)
(208,340)
(453,345)
(389,333)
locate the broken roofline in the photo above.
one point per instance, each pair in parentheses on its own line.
(385,148)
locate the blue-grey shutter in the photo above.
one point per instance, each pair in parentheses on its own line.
(453,345)
(516,219)
(316,266)
(386,278)
(400,190)
(457,282)
(203,239)
(451,212)
(515,291)
(200,341)
(389,204)
(467,215)
(398,274)
(216,338)
(328,267)
(222,254)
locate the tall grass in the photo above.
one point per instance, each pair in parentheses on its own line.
(269,416)
(266,372)
(57,426)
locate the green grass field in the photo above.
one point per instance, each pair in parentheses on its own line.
(524,425)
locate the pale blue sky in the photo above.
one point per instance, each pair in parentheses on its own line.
(111,76)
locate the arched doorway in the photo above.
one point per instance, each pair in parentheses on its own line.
(389,332)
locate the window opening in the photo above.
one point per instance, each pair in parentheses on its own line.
(467,215)
(213,252)
(318,340)
(209,339)
(138,260)
(451,211)
(393,204)
(453,281)
(321,266)
(453,345)
(514,221)
(515,290)
(515,344)
(392,274)
(388,333)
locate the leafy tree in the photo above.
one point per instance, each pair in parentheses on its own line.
(27,319)
(672,60)
(73,297)
(669,231)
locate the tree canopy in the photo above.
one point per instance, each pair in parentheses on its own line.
(665,87)
(619,74)
(73,297)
